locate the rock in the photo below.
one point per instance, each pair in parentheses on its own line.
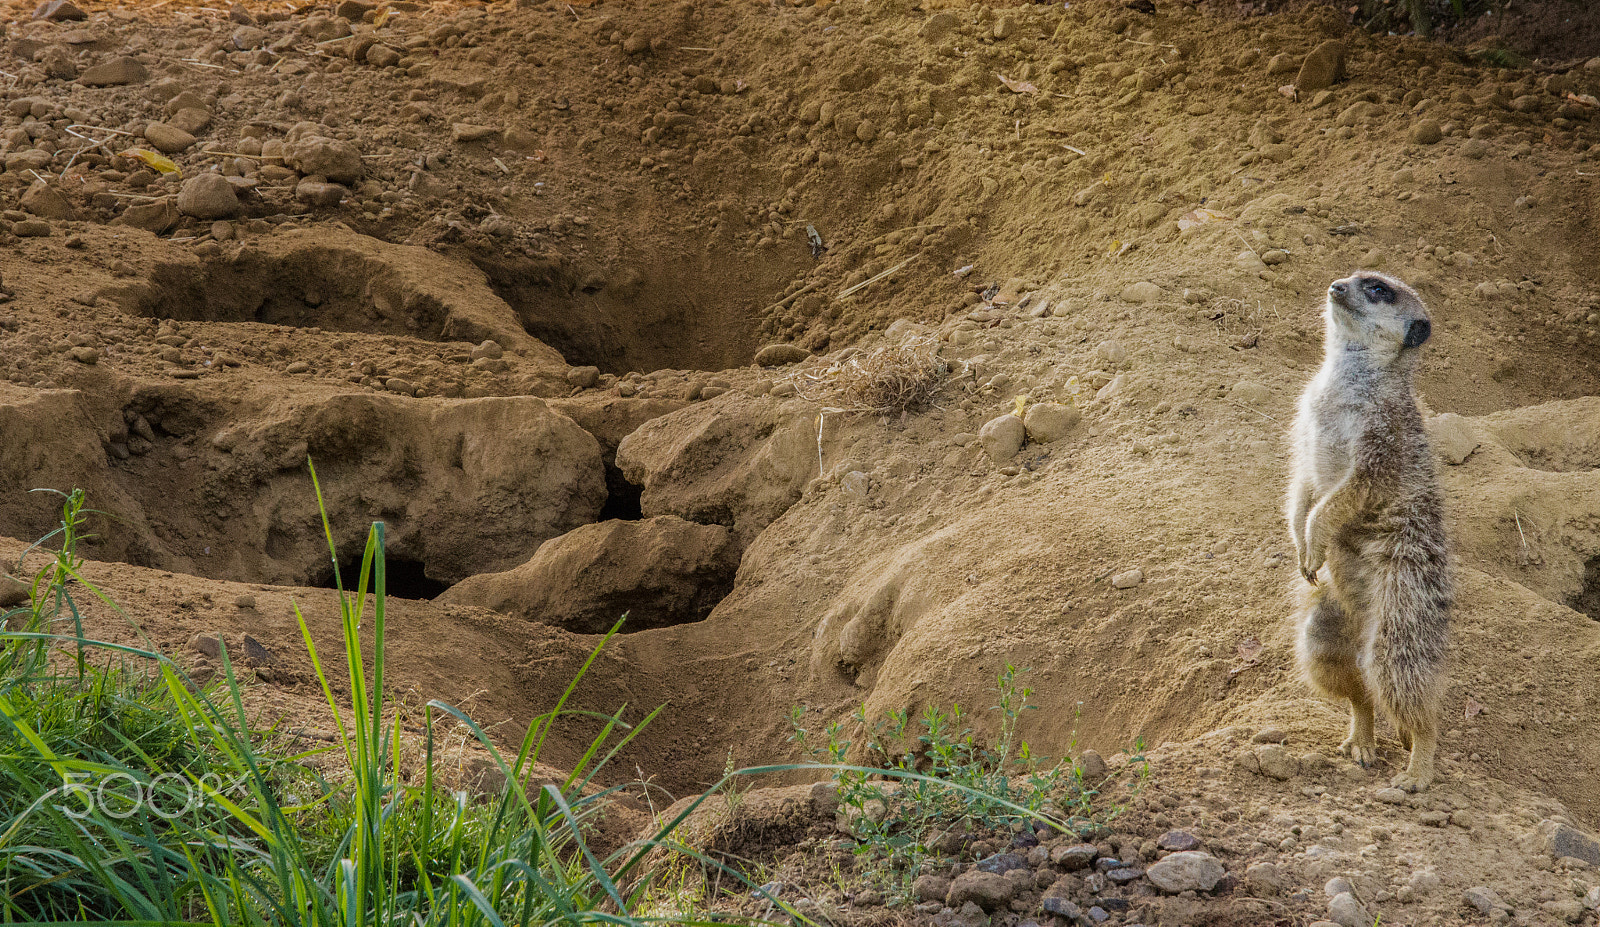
(31,228)
(1112,353)
(1271,761)
(1560,840)
(1322,68)
(1391,796)
(85,355)
(583,377)
(167,139)
(1265,879)
(353,10)
(1142,292)
(1250,393)
(185,99)
(1002,437)
(256,652)
(985,889)
(1061,904)
(1074,856)
(779,355)
(1092,767)
(1270,735)
(1274,256)
(1124,874)
(1127,579)
(1178,841)
(152,217)
(1346,911)
(1355,113)
(1001,863)
(1452,438)
(1425,132)
(248,38)
(400,385)
(1485,899)
(338,161)
(244,601)
(1189,871)
(1569,910)
(43,200)
(1049,421)
(382,56)
(662,571)
(59,11)
(930,888)
(191,120)
(469,132)
(1474,148)
(636,44)
(209,645)
(208,196)
(1281,63)
(318,193)
(115,73)
(13,591)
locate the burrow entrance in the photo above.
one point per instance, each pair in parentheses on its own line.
(684,312)
(402,578)
(1588,598)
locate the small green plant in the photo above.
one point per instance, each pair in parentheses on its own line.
(932,777)
(213,821)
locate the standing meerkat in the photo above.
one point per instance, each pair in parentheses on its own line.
(1364,503)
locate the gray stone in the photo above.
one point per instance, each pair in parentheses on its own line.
(1075,856)
(1092,767)
(208,196)
(1127,579)
(1560,840)
(987,890)
(1141,292)
(115,73)
(1191,870)
(1001,863)
(59,11)
(155,217)
(1264,879)
(1178,841)
(1346,911)
(583,377)
(1485,899)
(31,228)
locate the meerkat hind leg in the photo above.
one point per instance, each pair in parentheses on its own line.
(1328,651)
(1419,772)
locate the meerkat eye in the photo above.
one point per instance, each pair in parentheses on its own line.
(1378,291)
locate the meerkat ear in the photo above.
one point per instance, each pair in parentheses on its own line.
(1417,332)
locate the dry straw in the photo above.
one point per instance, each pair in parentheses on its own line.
(893,378)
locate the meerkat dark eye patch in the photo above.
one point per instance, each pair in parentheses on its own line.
(1377,291)
(1417,332)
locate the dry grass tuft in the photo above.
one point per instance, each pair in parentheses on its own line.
(894,378)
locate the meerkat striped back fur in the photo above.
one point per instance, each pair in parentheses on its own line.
(1366,516)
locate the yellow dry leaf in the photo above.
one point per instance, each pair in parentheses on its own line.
(157,162)
(1017,86)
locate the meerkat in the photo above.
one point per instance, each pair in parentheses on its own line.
(1366,516)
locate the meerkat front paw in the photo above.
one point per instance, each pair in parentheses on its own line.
(1310,563)
(1363,752)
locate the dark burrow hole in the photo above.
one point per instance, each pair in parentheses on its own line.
(402,578)
(343,293)
(1588,598)
(683,312)
(623,499)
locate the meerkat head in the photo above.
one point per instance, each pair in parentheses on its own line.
(1373,312)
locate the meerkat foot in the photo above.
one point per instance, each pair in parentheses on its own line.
(1410,781)
(1363,752)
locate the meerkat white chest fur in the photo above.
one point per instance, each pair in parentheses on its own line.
(1365,516)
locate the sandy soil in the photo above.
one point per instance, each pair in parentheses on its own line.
(503,273)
